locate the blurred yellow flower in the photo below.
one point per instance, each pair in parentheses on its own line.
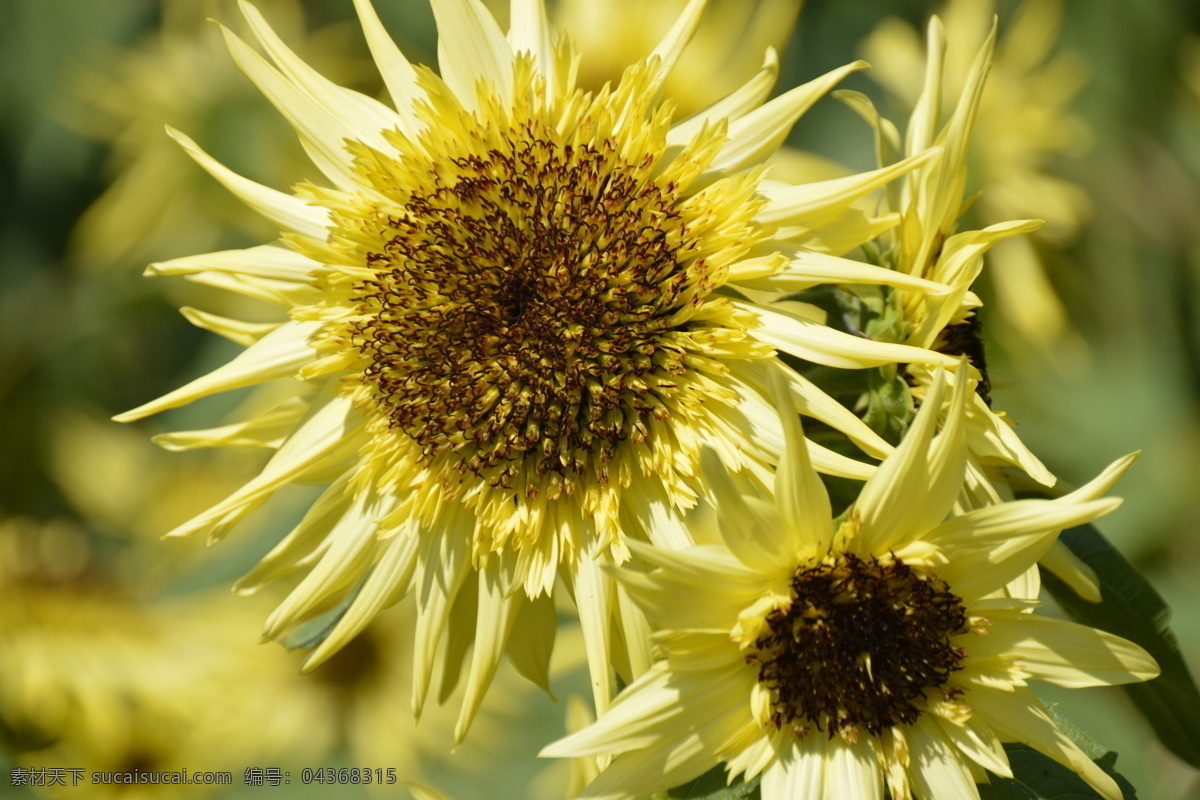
(726,49)
(513,320)
(927,244)
(156,205)
(1021,125)
(96,677)
(888,647)
(108,676)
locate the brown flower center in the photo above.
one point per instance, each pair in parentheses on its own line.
(519,306)
(859,648)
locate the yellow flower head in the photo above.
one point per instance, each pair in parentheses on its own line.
(887,647)
(928,244)
(1022,123)
(512,318)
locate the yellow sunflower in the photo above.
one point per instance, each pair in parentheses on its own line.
(1023,123)
(927,243)
(512,320)
(889,647)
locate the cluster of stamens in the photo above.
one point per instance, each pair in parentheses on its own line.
(965,339)
(518,308)
(861,647)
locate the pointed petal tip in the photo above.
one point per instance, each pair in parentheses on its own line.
(553,750)
(124,416)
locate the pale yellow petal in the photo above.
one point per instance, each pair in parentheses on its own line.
(811,401)
(351,550)
(1066,653)
(754,137)
(530,32)
(937,771)
(398,74)
(661,705)
(532,641)
(803,502)
(676,39)
(498,611)
(287,211)
(823,345)
(594,600)
(733,106)
(321,132)
(472,49)
(443,564)
(887,137)
(1019,717)
(978,742)
(1071,570)
(853,770)
(922,125)
(305,543)
(269,429)
(742,523)
(987,548)
(237,331)
(811,205)
(387,582)
(899,498)
(806,269)
(263,261)
(285,294)
(364,117)
(279,354)
(800,771)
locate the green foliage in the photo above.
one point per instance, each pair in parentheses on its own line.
(889,404)
(1038,777)
(313,631)
(713,785)
(1131,608)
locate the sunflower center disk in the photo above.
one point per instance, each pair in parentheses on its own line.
(520,305)
(860,647)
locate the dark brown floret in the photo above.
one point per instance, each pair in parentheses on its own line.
(860,648)
(966,339)
(520,305)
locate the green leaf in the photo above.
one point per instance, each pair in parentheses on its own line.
(1039,777)
(713,785)
(1130,608)
(889,404)
(313,630)
(844,310)
(1082,739)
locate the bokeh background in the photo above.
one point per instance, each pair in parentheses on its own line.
(121,651)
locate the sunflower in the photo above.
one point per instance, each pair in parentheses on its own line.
(1023,123)
(512,318)
(890,646)
(928,243)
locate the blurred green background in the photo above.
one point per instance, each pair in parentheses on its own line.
(91,190)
